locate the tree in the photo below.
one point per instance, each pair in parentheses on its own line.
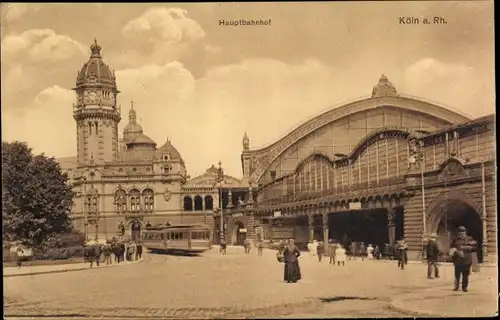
(36,196)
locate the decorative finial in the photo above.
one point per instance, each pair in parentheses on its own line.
(96,49)
(246,142)
(384,88)
(219,163)
(132,104)
(140,121)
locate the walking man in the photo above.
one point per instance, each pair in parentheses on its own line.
(432,257)
(260,247)
(332,247)
(107,253)
(320,250)
(139,250)
(461,251)
(402,254)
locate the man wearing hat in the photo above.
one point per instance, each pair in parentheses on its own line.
(432,256)
(461,251)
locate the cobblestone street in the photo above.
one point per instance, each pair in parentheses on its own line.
(235,285)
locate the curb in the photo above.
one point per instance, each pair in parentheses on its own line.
(396,304)
(71,270)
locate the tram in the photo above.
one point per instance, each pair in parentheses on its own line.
(188,238)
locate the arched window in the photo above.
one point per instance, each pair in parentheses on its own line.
(120,201)
(188,203)
(198,203)
(135,200)
(148,200)
(209,203)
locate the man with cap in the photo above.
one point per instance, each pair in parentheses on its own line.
(461,251)
(432,256)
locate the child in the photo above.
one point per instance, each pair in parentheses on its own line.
(340,255)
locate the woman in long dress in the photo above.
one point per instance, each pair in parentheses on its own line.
(292,269)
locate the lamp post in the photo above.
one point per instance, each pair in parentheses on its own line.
(417,157)
(220,180)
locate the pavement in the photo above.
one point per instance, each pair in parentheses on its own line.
(237,285)
(47,269)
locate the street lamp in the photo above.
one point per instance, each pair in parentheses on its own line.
(220,181)
(417,156)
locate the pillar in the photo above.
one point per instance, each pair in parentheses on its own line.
(251,226)
(270,228)
(391,226)
(310,221)
(325,224)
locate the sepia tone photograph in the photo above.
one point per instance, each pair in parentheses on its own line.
(249,160)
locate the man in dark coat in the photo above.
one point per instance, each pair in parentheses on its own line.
(402,254)
(320,250)
(139,250)
(461,251)
(432,256)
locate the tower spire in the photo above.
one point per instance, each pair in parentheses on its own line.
(132,116)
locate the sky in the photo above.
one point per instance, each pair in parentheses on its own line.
(203,84)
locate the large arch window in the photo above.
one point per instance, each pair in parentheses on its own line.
(209,203)
(148,197)
(188,203)
(198,203)
(135,200)
(120,201)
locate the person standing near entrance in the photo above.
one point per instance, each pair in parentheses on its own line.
(362,251)
(369,252)
(433,254)
(402,254)
(320,250)
(332,246)
(340,255)
(462,248)
(223,246)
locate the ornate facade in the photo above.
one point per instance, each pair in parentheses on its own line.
(129,179)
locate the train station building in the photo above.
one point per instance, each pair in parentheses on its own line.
(376,170)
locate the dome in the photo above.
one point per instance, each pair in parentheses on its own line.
(132,129)
(141,143)
(141,139)
(95,71)
(169,150)
(384,88)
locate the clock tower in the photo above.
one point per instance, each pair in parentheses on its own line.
(96,112)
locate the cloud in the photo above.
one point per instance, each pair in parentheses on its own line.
(212,49)
(167,25)
(48,126)
(456,85)
(38,45)
(15,11)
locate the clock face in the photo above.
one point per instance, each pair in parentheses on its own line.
(92,96)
